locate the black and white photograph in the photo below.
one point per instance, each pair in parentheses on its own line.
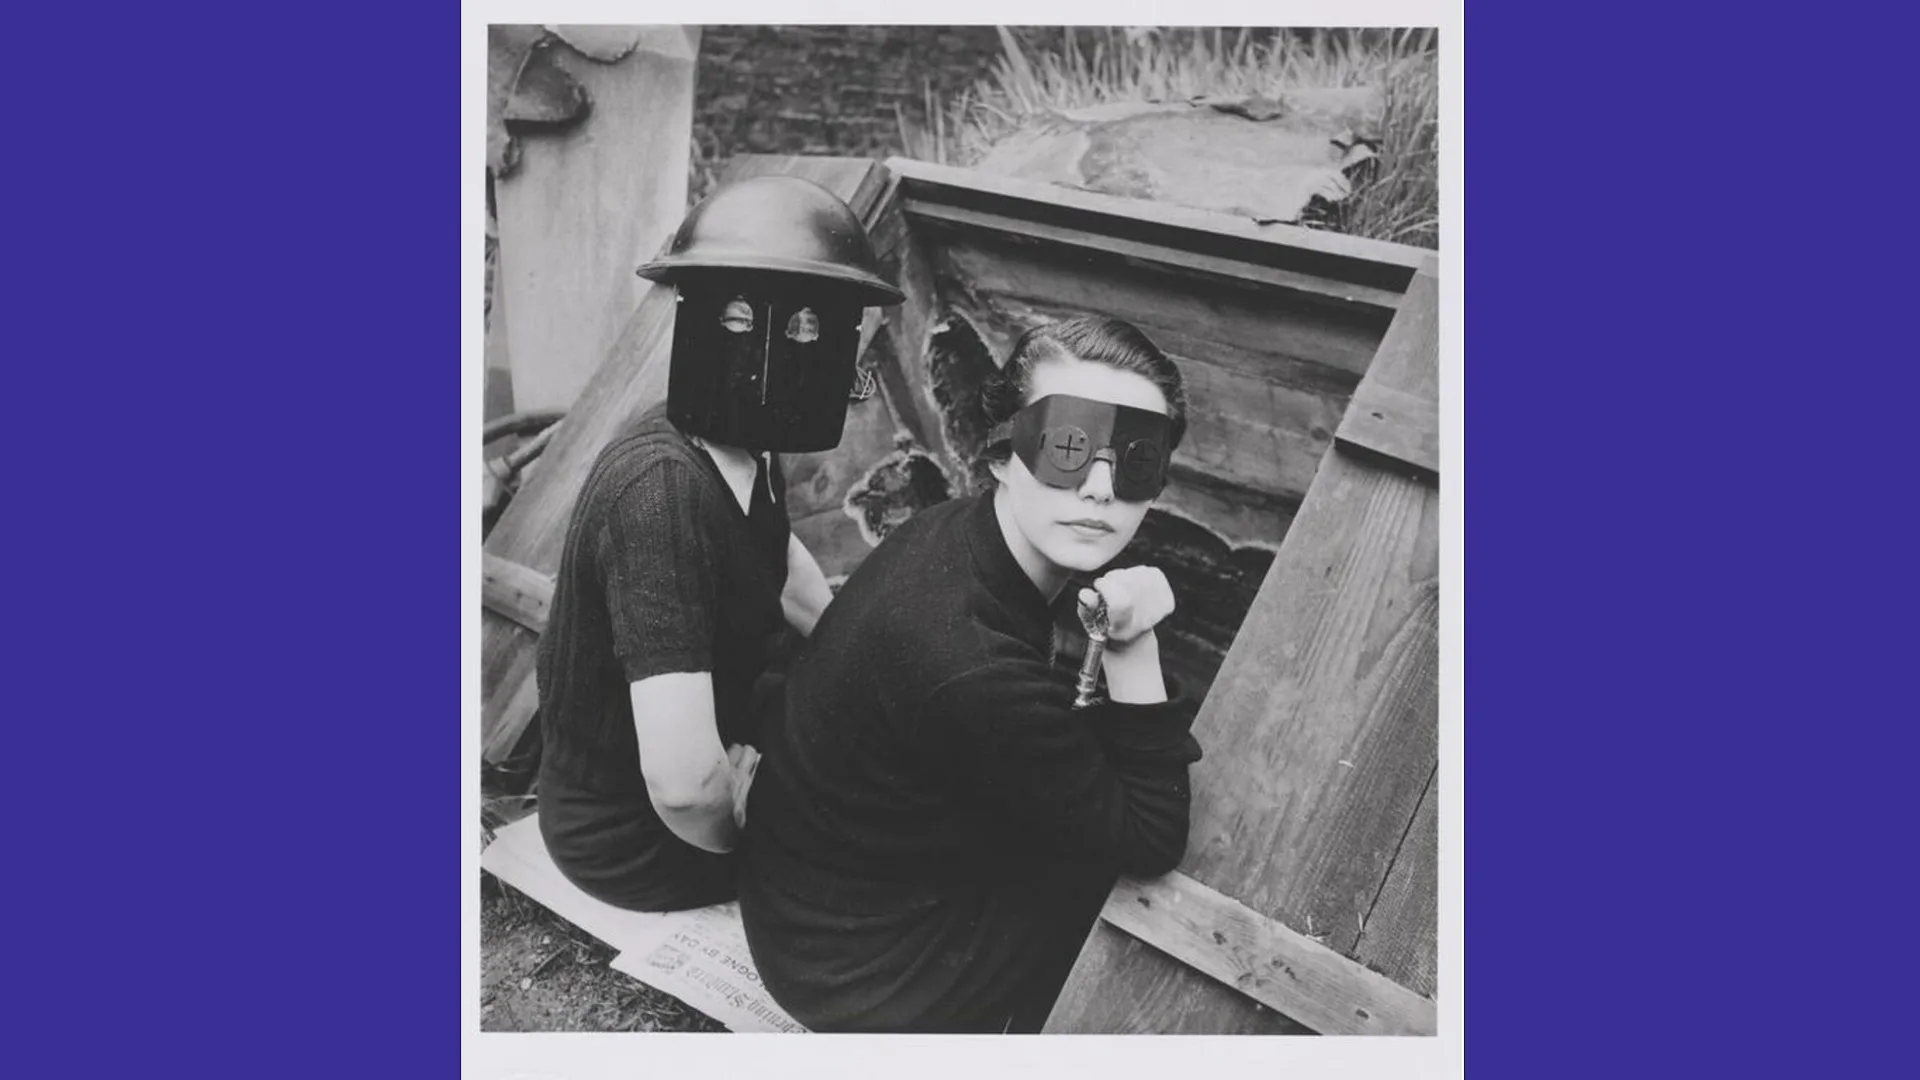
(961,529)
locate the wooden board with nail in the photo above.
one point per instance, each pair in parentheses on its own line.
(1314,805)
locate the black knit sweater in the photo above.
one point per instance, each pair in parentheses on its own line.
(934,828)
(661,573)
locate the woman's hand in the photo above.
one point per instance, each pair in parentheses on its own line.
(1138,597)
(743,762)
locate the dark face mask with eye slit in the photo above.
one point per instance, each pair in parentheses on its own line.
(1060,436)
(762,362)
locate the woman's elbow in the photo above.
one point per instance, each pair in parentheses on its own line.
(681,794)
(685,802)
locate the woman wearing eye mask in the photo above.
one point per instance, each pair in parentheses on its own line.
(935,826)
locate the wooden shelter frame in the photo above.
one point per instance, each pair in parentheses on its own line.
(1307,899)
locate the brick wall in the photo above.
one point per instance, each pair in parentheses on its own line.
(833,89)
(827,89)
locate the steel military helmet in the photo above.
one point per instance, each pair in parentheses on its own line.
(771,277)
(781,224)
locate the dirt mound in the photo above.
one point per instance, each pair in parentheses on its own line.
(1263,158)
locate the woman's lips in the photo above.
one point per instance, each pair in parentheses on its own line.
(1088,527)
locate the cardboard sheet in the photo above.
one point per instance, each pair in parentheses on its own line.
(698,956)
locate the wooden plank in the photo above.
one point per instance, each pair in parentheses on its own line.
(497,375)
(1319,734)
(1241,428)
(532,530)
(1327,254)
(1395,425)
(632,378)
(902,363)
(576,216)
(1160,998)
(1322,726)
(519,593)
(1394,412)
(1206,267)
(505,711)
(1312,380)
(1409,355)
(1257,319)
(1263,959)
(1403,926)
(1240,517)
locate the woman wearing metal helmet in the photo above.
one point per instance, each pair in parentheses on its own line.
(680,575)
(945,806)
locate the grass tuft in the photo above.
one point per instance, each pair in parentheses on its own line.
(1395,196)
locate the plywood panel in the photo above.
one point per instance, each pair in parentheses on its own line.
(578,214)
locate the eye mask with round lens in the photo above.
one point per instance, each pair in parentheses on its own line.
(1060,436)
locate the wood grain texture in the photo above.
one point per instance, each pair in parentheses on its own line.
(632,378)
(1409,356)
(1280,968)
(1402,932)
(1159,996)
(576,216)
(519,593)
(1395,412)
(1241,518)
(509,703)
(1395,425)
(1248,317)
(1204,267)
(1325,254)
(1321,728)
(1320,737)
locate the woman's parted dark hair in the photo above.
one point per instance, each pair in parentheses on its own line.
(1091,339)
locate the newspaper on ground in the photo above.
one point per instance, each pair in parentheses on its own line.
(704,962)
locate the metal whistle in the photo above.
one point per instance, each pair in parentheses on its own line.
(1095,620)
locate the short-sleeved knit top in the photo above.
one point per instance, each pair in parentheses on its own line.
(661,573)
